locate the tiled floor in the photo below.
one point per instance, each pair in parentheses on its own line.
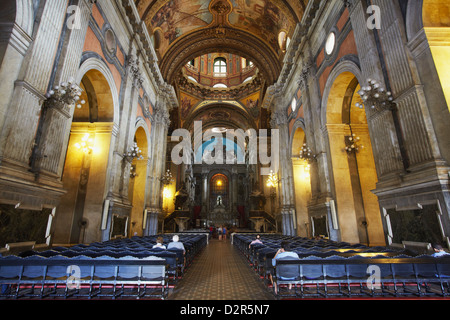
(220,272)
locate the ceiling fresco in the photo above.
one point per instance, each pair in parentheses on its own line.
(169,20)
(260,17)
(183,30)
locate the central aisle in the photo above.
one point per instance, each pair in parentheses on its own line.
(220,272)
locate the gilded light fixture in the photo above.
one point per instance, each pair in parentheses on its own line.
(86,144)
(67,93)
(375,97)
(134,153)
(272,180)
(353,144)
(167,178)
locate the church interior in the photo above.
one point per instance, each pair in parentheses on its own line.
(322,123)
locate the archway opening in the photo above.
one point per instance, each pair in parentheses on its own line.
(86,165)
(353,165)
(137,185)
(436,23)
(302,182)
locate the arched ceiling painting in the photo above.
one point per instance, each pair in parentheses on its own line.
(183,30)
(170,20)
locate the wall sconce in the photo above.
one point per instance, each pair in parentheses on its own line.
(375,97)
(86,144)
(67,93)
(133,153)
(352,144)
(306,154)
(272,181)
(167,178)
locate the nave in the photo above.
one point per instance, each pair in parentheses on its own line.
(220,272)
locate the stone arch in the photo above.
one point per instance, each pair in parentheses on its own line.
(302,179)
(137,187)
(98,66)
(353,174)
(19,13)
(88,168)
(348,69)
(234,41)
(294,145)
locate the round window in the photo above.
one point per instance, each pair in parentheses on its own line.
(330,44)
(110,41)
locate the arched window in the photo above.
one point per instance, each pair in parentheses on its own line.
(220,85)
(192,79)
(220,67)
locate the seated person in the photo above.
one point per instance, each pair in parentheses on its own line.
(159,243)
(439,251)
(284,253)
(175,244)
(256,241)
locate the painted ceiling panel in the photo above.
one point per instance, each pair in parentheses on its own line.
(169,20)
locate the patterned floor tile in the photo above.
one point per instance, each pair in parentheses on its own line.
(220,272)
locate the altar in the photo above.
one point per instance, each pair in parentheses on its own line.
(220,215)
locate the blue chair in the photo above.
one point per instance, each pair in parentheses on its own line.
(105,271)
(287,272)
(31,271)
(312,271)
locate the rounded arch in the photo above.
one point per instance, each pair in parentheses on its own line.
(234,41)
(350,157)
(142,135)
(16,14)
(414,18)
(20,12)
(138,179)
(298,134)
(426,14)
(345,72)
(96,65)
(301,170)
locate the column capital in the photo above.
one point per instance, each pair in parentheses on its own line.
(134,70)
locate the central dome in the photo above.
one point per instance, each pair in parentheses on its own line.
(220,70)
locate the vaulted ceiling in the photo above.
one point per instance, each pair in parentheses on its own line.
(186,29)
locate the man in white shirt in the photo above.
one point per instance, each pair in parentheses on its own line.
(175,244)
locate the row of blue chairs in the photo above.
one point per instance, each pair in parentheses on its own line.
(363,277)
(83,277)
(328,268)
(125,268)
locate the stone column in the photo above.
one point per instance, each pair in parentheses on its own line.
(54,126)
(17,32)
(160,127)
(286,186)
(22,118)
(386,138)
(120,170)
(22,111)
(413,112)
(317,140)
